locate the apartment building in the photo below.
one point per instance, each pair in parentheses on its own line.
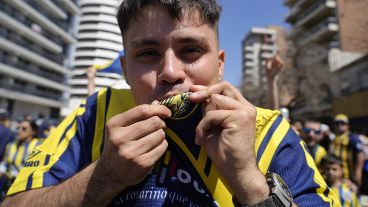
(36,39)
(341,28)
(259,45)
(99,41)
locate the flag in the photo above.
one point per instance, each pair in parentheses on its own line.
(112,66)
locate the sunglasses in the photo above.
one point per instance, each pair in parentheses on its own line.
(309,130)
(340,123)
(23,129)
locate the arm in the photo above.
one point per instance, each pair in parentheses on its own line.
(273,67)
(91,72)
(359,169)
(227,131)
(135,141)
(81,189)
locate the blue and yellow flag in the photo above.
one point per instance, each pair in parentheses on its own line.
(112,66)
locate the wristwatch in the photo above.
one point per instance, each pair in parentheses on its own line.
(280,195)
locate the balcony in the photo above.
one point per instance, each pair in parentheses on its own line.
(320,32)
(290,3)
(41,20)
(16,26)
(53,9)
(292,17)
(111,19)
(70,6)
(30,76)
(316,12)
(18,93)
(30,55)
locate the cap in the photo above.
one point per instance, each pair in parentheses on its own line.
(341,117)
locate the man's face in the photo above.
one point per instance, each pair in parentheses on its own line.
(332,172)
(311,132)
(341,127)
(24,131)
(164,56)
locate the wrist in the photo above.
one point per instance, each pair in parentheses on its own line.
(252,188)
(102,187)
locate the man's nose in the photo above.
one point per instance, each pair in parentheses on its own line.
(172,69)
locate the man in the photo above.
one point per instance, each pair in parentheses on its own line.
(6,135)
(348,148)
(16,154)
(332,170)
(147,158)
(311,134)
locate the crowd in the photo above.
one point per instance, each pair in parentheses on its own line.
(340,155)
(18,138)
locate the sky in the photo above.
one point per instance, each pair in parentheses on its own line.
(238,16)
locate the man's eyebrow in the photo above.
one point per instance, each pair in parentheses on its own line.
(196,40)
(144,42)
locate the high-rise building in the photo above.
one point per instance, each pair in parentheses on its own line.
(259,45)
(99,41)
(340,26)
(36,39)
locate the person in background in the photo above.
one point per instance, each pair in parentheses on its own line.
(333,173)
(6,135)
(348,148)
(297,126)
(16,154)
(327,136)
(364,186)
(27,117)
(311,134)
(43,126)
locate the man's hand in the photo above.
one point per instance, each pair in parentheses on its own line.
(227,131)
(135,140)
(273,67)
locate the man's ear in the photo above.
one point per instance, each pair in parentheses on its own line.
(123,67)
(221,58)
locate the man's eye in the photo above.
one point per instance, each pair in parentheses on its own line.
(191,50)
(148,53)
(191,54)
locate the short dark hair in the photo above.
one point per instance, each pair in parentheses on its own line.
(209,10)
(331,159)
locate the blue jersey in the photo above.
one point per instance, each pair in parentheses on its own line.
(184,176)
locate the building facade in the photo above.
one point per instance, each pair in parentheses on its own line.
(259,45)
(335,24)
(36,43)
(341,28)
(99,41)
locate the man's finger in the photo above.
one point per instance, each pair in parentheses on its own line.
(151,157)
(222,88)
(220,102)
(139,113)
(210,121)
(149,142)
(135,131)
